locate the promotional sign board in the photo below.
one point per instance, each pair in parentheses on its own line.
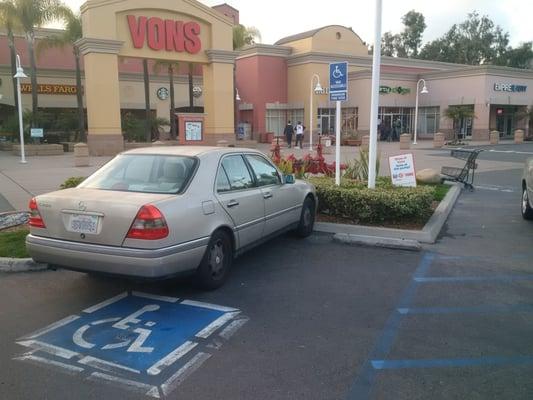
(402,170)
(338,81)
(37,132)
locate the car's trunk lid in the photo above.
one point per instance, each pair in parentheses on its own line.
(91,215)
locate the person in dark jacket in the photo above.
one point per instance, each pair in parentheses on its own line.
(289,130)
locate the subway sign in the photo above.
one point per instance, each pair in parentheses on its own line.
(169,35)
(509,87)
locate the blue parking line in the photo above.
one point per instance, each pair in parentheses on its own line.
(453,279)
(364,382)
(451,362)
(468,310)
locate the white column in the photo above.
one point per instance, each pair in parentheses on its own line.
(338,143)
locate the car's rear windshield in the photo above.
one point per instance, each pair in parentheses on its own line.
(147,173)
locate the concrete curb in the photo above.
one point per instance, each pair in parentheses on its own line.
(8,264)
(390,243)
(427,235)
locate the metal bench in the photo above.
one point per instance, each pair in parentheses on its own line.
(464,175)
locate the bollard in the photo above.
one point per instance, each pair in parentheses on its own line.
(438,140)
(494,137)
(365,142)
(81,155)
(405,141)
(519,136)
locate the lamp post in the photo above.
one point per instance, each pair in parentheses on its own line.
(423,91)
(20,74)
(317,90)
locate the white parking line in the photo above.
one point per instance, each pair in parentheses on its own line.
(192,365)
(495,188)
(232,327)
(106,365)
(171,358)
(155,297)
(128,384)
(217,323)
(48,348)
(70,369)
(105,303)
(208,305)
(50,327)
(510,151)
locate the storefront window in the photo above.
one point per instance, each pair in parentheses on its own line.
(428,120)
(277,119)
(393,121)
(326,120)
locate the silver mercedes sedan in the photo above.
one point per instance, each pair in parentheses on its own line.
(160,211)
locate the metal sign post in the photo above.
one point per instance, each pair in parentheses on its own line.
(338,91)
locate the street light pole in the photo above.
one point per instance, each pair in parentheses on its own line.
(374,102)
(423,91)
(20,74)
(317,90)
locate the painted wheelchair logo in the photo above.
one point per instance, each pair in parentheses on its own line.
(135,345)
(337,73)
(139,341)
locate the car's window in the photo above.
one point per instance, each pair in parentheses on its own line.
(265,173)
(222,181)
(148,173)
(237,172)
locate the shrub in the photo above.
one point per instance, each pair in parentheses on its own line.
(358,169)
(354,201)
(71,182)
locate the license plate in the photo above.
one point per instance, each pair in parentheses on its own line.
(83,223)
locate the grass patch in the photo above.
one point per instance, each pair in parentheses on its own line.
(440,191)
(13,244)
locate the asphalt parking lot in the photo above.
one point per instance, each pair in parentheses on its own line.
(312,319)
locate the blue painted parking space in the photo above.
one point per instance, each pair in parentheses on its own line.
(139,340)
(379,357)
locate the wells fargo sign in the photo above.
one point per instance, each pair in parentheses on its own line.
(46,88)
(166,34)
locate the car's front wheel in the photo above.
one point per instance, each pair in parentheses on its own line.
(307,218)
(527,211)
(216,263)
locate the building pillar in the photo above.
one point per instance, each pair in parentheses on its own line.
(481,130)
(219,96)
(102,95)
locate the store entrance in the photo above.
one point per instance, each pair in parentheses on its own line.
(505,120)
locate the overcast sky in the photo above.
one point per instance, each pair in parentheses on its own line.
(278,18)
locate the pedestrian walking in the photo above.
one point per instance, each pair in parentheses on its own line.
(299,134)
(289,130)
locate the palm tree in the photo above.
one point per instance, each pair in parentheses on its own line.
(459,114)
(8,20)
(171,68)
(32,14)
(69,36)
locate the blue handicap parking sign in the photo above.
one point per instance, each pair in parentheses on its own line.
(338,81)
(140,338)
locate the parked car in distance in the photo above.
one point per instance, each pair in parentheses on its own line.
(527,190)
(157,212)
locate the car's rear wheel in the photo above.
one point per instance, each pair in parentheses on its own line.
(307,218)
(216,263)
(527,211)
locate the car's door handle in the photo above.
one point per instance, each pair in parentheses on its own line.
(233,203)
(267,195)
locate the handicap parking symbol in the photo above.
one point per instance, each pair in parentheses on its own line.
(141,341)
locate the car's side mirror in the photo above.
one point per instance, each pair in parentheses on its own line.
(289,179)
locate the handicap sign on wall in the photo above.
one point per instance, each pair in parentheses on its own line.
(139,340)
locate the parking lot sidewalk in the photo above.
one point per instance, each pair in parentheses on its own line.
(42,174)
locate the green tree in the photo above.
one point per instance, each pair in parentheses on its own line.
(475,41)
(458,114)
(244,36)
(32,14)
(406,43)
(519,57)
(71,34)
(8,20)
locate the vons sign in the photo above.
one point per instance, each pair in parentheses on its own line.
(169,35)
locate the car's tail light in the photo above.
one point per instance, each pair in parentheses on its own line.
(149,224)
(35,216)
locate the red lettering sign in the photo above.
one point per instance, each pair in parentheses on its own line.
(170,35)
